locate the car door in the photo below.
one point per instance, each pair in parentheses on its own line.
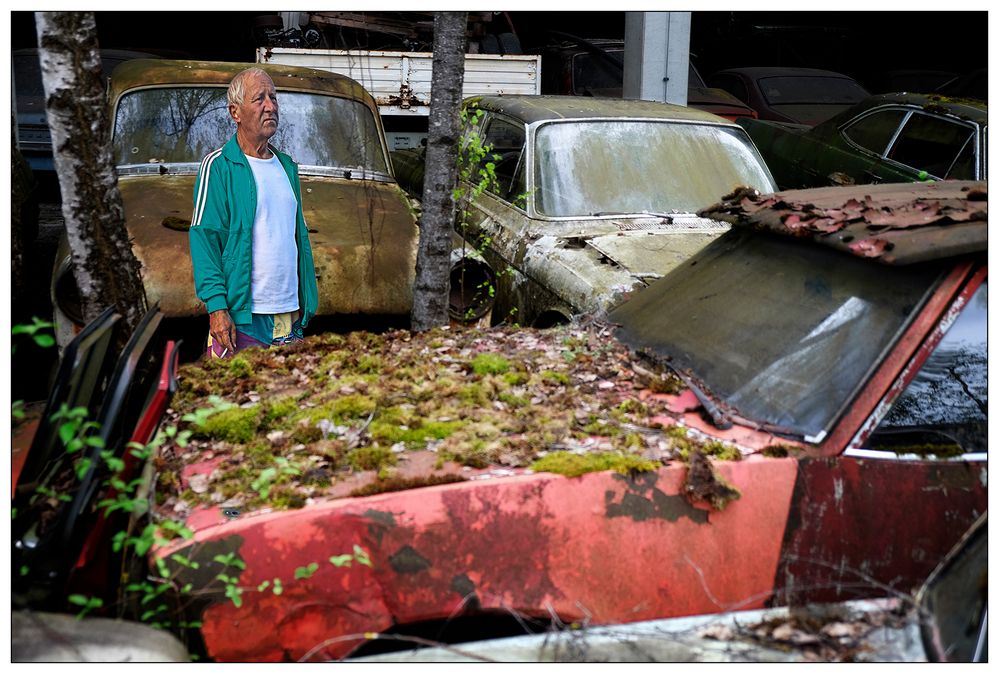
(930,146)
(858,149)
(496,217)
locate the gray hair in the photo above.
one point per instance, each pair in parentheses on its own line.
(237,88)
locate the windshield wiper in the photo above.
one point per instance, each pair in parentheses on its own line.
(651,214)
(718,417)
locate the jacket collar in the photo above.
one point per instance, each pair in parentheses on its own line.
(233,152)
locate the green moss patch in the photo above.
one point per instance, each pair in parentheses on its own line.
(574,465)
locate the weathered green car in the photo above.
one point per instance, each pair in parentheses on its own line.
(168,115)
(593,198)
(891,138)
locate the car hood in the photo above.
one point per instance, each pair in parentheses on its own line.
(595,265)
(362,233)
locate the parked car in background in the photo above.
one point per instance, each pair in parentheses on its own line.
(883,139)
(581,67)
(32,129)
(796,95)
(910,80)
(811,394)
(974,84)
(168,115)
(593,198)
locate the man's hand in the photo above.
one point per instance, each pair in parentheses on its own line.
(222,330)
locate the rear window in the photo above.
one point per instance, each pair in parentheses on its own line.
(183,124)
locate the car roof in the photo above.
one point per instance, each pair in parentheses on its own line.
(532,108)
(160,72)
(896,224)
(969,108)
(756,72)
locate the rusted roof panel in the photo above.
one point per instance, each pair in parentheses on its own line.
(165,72)
(894,223)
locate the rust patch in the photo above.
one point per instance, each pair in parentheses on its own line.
(380,523)
(643,501)
(704,485)
(406,560)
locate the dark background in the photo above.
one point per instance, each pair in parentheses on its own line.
(861,44)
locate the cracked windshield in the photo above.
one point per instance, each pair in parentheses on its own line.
(183,125)
(670,168)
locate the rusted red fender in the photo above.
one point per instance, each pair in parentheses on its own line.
(603,548)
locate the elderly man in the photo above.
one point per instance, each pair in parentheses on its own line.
(250,249)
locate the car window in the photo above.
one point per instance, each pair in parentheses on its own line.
(611,166)
(506,141)
(803,90)
(873,132)
(964,166)
(596,75)
(945,405)
(788,343)
(929,143)
(183,124)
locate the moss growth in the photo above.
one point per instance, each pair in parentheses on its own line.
(369,364)
(238,425)
(401,484)
(516,378)
(490,363)
(371,458)
(555,377)
(574,465)
(239,366)
(277,410)
(389,433)
(513,400)
(720,450)
(779,451)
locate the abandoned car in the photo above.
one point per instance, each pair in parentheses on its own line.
(793,95)
(581,67)
(883,139)
(592,198)
(809,387)
(168,115)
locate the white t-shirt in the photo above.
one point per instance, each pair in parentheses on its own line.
(275,254)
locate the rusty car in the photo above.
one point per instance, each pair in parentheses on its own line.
(888,138)
(167,115)
(806,96)
(592,198)
(810,387)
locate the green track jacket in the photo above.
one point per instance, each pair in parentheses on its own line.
(221,234)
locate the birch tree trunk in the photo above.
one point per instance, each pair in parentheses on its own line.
(105,269)
(430,293)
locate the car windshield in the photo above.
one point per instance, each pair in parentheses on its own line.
(811,90)
(785,332)
(632,166)
(183,124)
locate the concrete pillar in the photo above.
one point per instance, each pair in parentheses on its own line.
(656,56)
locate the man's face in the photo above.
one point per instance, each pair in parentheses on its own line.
(257,115)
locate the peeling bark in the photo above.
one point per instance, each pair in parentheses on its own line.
(105,269)
(430,292)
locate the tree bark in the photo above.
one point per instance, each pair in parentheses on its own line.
(105,269)
(430,293)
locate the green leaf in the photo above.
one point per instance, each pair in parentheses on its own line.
(341,560)
(278,588)
(306,571)
(263,586)
(361,555)
(44,340)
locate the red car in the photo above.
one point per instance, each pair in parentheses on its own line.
(803,410)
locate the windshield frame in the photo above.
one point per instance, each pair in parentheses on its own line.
(191,168)
(531,165)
